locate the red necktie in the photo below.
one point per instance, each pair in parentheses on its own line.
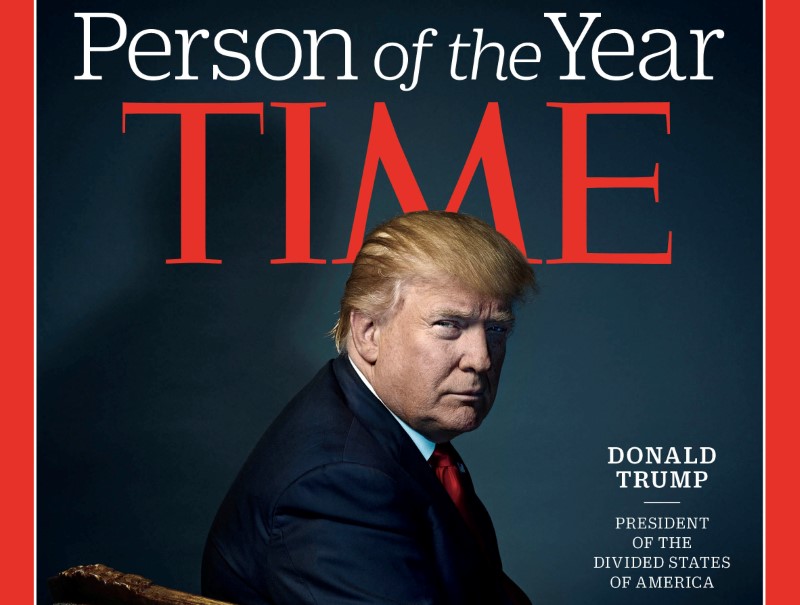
(452,474)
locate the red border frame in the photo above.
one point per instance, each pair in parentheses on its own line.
(17,247)
(781,322)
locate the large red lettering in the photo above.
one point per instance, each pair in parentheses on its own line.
(575,184)
(298,184)
(193,166)
(488,148)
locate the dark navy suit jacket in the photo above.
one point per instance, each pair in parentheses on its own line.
(336,505)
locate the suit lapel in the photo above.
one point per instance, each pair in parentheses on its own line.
(451,534)
(388,433)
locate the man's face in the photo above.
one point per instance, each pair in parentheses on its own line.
(439,358)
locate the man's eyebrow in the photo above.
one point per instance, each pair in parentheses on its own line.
(448,312)
(502,315)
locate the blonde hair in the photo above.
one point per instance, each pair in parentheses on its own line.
(426,244)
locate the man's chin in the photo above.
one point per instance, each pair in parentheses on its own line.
(470,421)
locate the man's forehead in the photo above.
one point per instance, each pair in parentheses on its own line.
(452,298)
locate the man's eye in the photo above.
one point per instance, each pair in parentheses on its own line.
(446,323)
(498,329)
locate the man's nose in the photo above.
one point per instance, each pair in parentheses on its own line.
(475,356)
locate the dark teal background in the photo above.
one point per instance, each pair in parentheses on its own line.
(155,380)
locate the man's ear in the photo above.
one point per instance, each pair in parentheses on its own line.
(364,335)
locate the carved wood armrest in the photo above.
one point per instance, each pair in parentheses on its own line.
(101,585)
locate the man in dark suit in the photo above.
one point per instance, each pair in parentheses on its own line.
(354,494)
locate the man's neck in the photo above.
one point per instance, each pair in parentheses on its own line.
(424,445)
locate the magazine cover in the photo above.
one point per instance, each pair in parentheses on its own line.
(206,174)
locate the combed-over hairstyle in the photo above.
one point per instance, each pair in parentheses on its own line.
(426,244)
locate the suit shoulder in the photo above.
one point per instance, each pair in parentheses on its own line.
(316,429)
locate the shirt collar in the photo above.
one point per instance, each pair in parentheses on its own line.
(424,445)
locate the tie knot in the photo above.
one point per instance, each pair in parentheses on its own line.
(444,454)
